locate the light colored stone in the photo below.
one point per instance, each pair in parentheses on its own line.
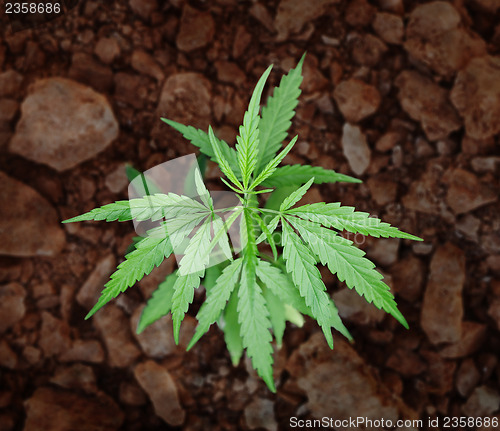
(442,308)
(356,99)
(84,351)
(389,27)
(427,102)
(76,376)
(408,278)
(147,65)
(196,29)
(260,414)
(384,251)
(107,49)
(63,124)
(117,179)
(162,391)
(476,95)
(356,150)
(90,292)
(367,49)
(467,377)
(12,308)
(473,335)
(39,234)
(484,401)
(54,336)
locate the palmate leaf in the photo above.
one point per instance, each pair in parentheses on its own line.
(344,217)
(277,113)
(247,145)
(301,264)
(183,296)
(276,314)
(232,329)
(296,196)
(148,253)
(349,263)
(196,255)
(296,175)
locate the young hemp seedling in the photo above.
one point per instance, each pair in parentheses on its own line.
(250,289)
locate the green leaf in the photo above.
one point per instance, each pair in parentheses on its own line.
(268,235)
(301,264)
(347,261)
(180,227)
(277,113)
(202,191)
(200,139)
(225,248)
(277,315)
(337,323)
(247,146)
(212,273)
(196,255)
(344,217)
(183,296)
(254,321)
(278,196)
(159,304)
(216,300)
(299,174)
(149,252)
(296,196)
(232,329)
(271,227)
(293,316)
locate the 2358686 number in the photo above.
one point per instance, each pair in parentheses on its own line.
(32,8)
(462,422)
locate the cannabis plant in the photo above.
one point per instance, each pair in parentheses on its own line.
(251,290)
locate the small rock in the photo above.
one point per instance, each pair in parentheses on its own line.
(196,29)
(241,41)
(40,233)
(440,374)
(8,109)
(354,308)
(433,36)
(10,83)
(356,150)
(84,351)
(32,355)
(485,164)
(476,95)
(488,5)
(356,99)
(367,50)
(54,335)
(51,409)
(384,251)
(77,376)
(12,308)
(395,6)
(117,179)
(162,391)
(389,27)
(132,394)
(465,192)
(8,359)
(260,414)
(467,377)
(145,64)
(426,102)
(313,80)
(227,71)
(484,401)
(473,335)
(187,98)
(494,311)
(469,225)
(261,14)
(143,8)
(130,89)
(86,70)
(359,13)
(442,308)
(89,293)
(406,363)
(408,278)
(383,189)
(45,132)
(114,328)
(387,141)
(107,49)
(292,15)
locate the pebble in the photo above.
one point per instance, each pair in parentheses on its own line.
(86,70)
(196,29)
(427,102)
(84,351)
(229,72)
(476,95)
(408,278)
(162,391)
(144,63)
(40,234)
(51,409)
(356,150)
(261,14)
(359,13)
(384,251)
(356,99)
(54,335)
(433,36)
(10,83)
(383,189)
(117,179)
(143,8)
(46,134)
(130,89)
(354,308)
(8,358)
(260,414)
(8,109)
(467,377)
(114,328)
(406,363)
(389,27)
(488,5)
(473,335)
(465,191)
(367,50)
(484,401)
(440,374)
(90,291)
(12,308)
(387,141)
(190,91)
(442,307)
(292,15)
(241,41)
(132,394)
(107,49)
(76,376)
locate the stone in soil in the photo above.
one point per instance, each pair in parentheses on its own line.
(494,311)
(428,103)
(12,308)
(442,307)
(359,13)
(8,109)
(144,63)
(186,98)
(476,95)
(292,15)
(161,389)
(63,123)
(367,50)
(8,358)
(50,409)
(10,83)
(86,70)
(39,234)
(90,292)
(354,308)
(484,401)
(356,150)
(107,49)
(54,335)
(76,376)
(384,251)
(408,278)
(196,29)
(356,99)
(143,8)
(383,189)
(406,363)
(113,325)
(312,366)
(433,36)
(84,351)
(260,414)
(389,27)
(473,335)
(467,377)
